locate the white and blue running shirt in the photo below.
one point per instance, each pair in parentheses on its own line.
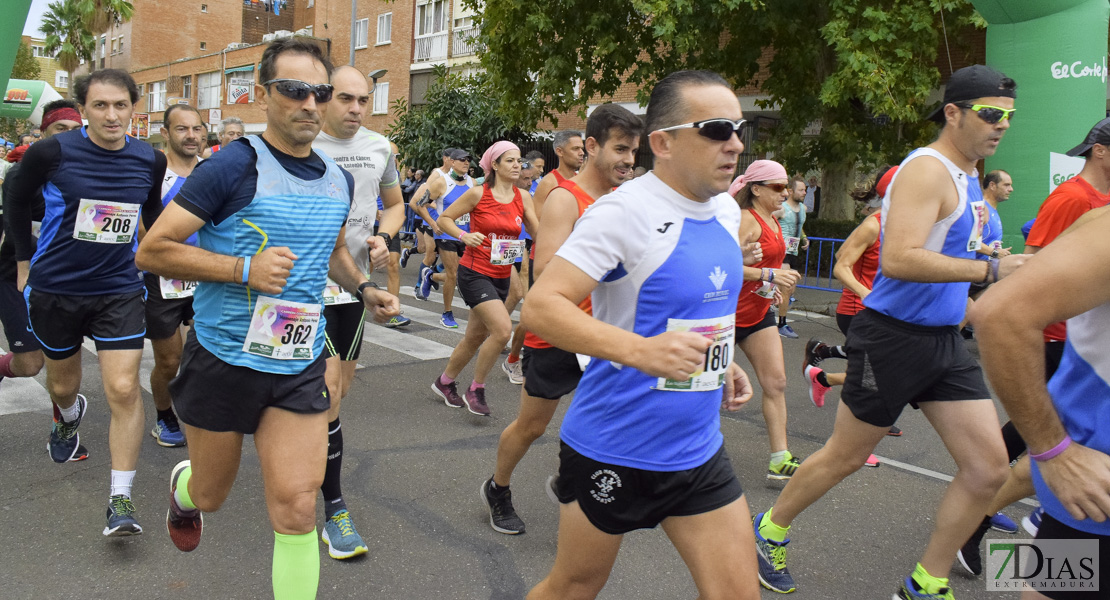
(658,257)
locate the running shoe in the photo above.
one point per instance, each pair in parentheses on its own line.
(184,526)
(416,292)
(449,393)
(968,554)
(816,390)
(476,402)
(909,591)
(425,282)
(514,371)
(816,351)
(872,461)
(398,321)
(1000,522)
(773,573)
(785,470)
(405,253)
(342,539)
(65,443)
(447,319)
(788,332)
(121,519)
(894,432)
(1032,522)
(168,434)
(502,516)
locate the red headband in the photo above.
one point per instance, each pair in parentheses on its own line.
(60,114)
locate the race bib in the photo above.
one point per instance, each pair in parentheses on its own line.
(711,376)
(505,251)
(175,289)
(979,212)
(463,221)
(792,245)
(335,294)
(583,361)
(106,222)
(282,329)
(767,290)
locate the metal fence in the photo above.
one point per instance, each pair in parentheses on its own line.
(818,269)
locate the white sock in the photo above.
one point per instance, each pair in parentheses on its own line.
(70,414)
(779,457)
(121,483)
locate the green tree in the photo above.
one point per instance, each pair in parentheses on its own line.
(25,67)
(98,15)
(861,70)
(67,35)
(460,112)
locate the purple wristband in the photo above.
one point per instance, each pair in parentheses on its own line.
(1054,452)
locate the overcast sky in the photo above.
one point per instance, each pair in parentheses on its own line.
(34,18)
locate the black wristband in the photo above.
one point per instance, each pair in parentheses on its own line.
(364,285)
(385,236)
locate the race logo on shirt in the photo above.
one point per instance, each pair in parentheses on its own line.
(606,481)
(718,278)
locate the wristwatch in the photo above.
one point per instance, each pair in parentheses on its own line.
(994,253)
(363,286)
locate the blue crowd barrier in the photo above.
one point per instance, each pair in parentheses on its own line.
(821,277)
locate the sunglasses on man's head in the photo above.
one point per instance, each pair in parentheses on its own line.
(988,113)
(778,188)
(298,90)
(718,130)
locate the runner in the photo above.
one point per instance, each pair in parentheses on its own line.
(792,218)
(81,280)
(24,357)
(270,213)
(230,129)
(444,191)
(169,302)
(368,157)
(904,347)
(1063,421)
(760,191)
(425,222)
(612,138)
(495,210)
(641,444)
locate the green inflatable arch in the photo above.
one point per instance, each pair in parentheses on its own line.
(1056,51)
(11,32)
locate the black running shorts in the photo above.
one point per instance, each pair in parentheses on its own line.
(343,330)
(1051,529)
(768,320)
(13,316)
(619,499)
(210,394)
(164,317)
(113,321)
(550,373)
(451,246)
(395,244)
(476,288)
(892,363)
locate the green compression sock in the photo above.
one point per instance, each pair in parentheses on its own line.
(928,583)
(296,570)
(770,531)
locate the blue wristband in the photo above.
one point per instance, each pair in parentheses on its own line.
(246,269)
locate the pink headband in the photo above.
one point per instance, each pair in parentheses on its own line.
(493,153)
(760,170)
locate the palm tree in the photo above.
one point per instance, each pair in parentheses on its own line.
(66,34)
(100,14)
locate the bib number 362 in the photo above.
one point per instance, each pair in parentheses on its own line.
(282,329)
(721,331)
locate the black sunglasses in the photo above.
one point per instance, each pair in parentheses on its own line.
(990,114)
(718,130)
(295,89)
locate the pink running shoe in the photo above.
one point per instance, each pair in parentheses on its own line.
(816,390)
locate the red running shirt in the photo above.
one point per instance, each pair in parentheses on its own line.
(864,271)
(495,220)
(532,340)
(752,307)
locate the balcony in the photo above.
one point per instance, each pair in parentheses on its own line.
(430,47)
(463,42)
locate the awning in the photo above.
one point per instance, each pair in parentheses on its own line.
(243,69)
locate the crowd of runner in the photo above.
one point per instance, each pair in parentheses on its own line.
(247,267)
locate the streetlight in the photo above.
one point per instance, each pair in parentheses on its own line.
(374,76)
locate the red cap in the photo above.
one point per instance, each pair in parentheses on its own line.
(884,181)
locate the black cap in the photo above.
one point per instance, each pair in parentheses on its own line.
(976,81)
(448,152)
(1099,134)
(457,154)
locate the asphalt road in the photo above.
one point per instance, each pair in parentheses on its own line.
(412,470)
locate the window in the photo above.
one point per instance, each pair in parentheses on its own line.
(431,17)
(61,79)
(204,45)
(362,27)
(103,45)
(114,42)
(311,3)
(203,8)
(187,88)
(385,27)
(381,99)
(38,51)
(464,22)
(157,98)
(208,90)
(121,44)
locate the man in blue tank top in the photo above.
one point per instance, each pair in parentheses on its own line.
(81,280)
(641,445)
(269,213)
(904,347)
(1064,423)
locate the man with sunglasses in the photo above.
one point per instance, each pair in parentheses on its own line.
(368,157)
(641,444)
(270,214)
(904,348)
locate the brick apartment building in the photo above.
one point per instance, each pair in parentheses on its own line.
(49,69)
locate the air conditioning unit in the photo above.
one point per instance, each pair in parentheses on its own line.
(283,33)
(304,31)
(269,37)
(237,45)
